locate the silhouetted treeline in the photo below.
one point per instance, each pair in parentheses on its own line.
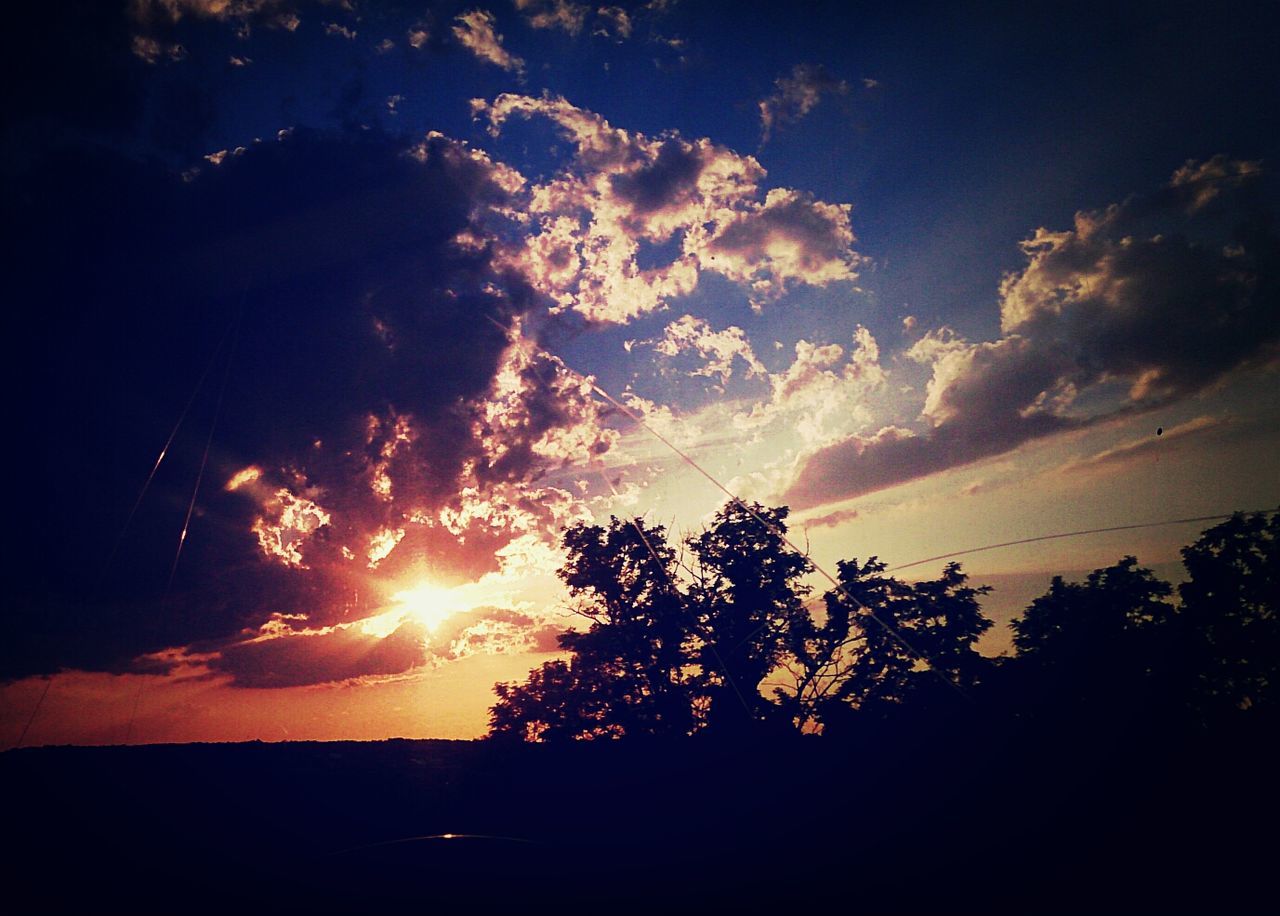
(1122,760)
(716,635)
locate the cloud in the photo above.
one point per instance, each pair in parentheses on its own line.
(152,51)
(831,519)
(795,96)
(822,394)
(608,21)
(286,651)
(335,654)
(152,15)
(554,14)
(381,404)
(613,22)
(474,30)
(287,523)
(699,200)
(493,631)
(718,348)
(1138,305)
(792,238)
(1133,451)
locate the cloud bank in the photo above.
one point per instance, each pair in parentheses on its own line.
(1138,305)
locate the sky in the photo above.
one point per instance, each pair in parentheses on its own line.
(326,318)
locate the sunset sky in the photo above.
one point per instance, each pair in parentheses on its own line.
(933,275)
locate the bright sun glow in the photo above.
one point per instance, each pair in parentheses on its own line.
(428,604)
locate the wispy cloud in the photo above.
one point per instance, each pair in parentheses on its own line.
(475,31)
(794,96)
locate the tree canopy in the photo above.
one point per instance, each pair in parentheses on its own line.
(720,633)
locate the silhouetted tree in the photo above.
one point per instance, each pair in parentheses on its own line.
(664,655)
(1101,646)
(676,645)
(629,673)
(1228,621)
(559,702)
(883,643)
(748,598)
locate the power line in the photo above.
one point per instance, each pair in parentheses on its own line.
(1071,534)
(164,451)
(675,593)
(769,526)
(204,458)
(40,702)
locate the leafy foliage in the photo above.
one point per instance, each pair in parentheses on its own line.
(721,637)
(883,643)
(1229,610)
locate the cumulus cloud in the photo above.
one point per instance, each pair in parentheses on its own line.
(493,631)
(474,30)
(719,349)
(151,51)
(791,238)
(554,14)
(286,651)
(382,410)
(285,658)
(822,394)
(702,200)
(1138,305)
(795,96)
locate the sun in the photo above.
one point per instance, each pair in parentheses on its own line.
(428,603)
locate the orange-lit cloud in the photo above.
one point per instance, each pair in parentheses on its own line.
(286,523)
(474,31)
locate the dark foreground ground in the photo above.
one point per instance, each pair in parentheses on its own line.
(952,819)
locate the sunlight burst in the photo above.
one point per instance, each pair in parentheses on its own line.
(429,604)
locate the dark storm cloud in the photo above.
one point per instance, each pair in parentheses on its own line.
(670,179)
(285,657)
(324,271)
(1156,298)
(337,655)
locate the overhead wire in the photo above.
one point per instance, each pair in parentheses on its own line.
(164,451)
(133,511)
(234,330)
(634,522)
(204,458)
(1071,534)
(675,593)
(773,529)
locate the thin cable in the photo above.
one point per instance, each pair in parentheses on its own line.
(204,459)
(675,593)
(1071,534)
(40,702)
(195,492)
(773,529)
(165,450)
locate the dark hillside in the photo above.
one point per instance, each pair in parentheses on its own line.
(902,819)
